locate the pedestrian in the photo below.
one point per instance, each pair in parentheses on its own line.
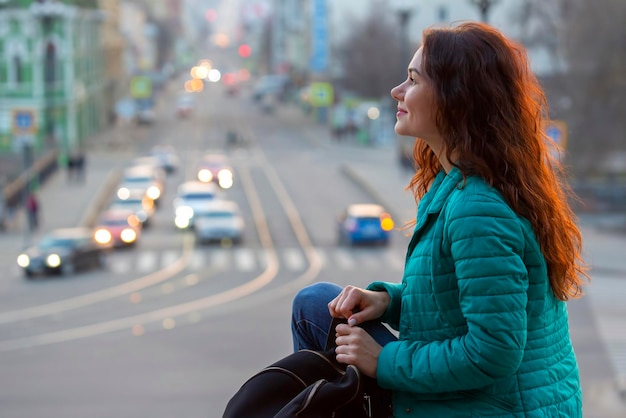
(79,166)
(32,212)
(480,318)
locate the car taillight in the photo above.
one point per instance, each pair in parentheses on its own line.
(386,223)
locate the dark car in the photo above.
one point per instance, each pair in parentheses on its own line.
(364,223)
(63,251)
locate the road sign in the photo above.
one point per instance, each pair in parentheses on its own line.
(557,131)
(141,87)
(321,94)
(24,122)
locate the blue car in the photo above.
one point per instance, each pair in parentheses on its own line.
(364,223)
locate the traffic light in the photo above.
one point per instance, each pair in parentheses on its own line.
(244,50)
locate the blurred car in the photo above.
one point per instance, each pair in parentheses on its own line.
(364,223)
(274,85)
(219,220)
(63,251)
(118,227)
(191,196)
(167,156)
(184,105)
(216,168)
(137,202)
(146,116)
(146,178)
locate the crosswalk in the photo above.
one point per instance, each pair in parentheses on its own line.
(248,259)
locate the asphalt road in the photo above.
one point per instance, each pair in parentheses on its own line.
(171,328)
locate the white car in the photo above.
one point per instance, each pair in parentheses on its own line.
(146,178)
(219,221)
(190,198)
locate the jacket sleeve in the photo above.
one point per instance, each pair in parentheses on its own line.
(392,314)
(486,244)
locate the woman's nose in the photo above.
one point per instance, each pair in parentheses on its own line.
(396,92)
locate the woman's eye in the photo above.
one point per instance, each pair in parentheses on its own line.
(411,80)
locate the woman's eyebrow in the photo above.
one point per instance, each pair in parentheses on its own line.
(414,70)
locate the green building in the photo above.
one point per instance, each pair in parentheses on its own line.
(52,76)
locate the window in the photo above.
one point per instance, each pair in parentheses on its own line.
(17,70)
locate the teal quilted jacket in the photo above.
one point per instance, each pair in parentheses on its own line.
(481,333)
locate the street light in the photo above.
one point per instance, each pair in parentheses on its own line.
(484,6)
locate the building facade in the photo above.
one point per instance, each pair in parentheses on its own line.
(52,76)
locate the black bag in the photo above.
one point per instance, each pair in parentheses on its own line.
(310,384)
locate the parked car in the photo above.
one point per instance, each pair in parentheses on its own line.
(219,220)
(147,178)
(118,227)
(364,223)
(63,251)
(191,196)
(136,201)
(216,168)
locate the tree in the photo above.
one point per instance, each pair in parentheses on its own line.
(370,57)
(590,39)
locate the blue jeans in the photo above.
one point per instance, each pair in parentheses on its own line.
(311,320)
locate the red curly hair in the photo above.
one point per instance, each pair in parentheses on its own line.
(491,112)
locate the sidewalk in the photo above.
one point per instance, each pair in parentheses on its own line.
(64,203)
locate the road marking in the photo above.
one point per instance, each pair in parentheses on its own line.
(294,260)
(146,261)
(244,259)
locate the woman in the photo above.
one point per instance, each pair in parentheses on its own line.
(495,253)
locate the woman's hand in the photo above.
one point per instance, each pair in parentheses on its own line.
(358,305)
(355,346)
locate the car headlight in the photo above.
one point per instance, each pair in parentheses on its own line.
(181,222)
(123,193)
(224,173)
(184,212)
(225,181)
(128,235)
(53,260)
(153,192)
(23,260)
(103,236)
(205,175)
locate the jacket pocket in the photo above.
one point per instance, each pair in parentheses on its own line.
(490,399)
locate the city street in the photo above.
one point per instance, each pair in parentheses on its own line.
(172,328)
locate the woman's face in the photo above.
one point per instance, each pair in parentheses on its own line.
(416,105)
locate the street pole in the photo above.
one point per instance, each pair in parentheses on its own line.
(484,6)
(404,16)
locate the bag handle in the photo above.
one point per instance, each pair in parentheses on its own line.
(330,340)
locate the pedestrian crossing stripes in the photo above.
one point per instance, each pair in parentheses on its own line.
(248,260)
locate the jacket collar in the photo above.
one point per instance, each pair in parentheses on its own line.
(437,195)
